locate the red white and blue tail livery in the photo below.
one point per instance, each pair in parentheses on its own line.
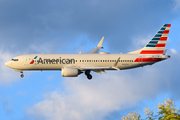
(72,65)
(157,44)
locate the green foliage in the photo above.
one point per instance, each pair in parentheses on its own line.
(132,116)
(165,111)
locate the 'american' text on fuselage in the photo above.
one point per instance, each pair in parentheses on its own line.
(56,61)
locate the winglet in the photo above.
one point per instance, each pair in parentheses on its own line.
(98,47)
(101,42)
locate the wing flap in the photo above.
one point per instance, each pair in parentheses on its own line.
(99,71)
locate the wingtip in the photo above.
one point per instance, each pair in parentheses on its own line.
(101,42)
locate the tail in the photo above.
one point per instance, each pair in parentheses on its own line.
(157,44)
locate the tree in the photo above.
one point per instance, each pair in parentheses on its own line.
(165,111)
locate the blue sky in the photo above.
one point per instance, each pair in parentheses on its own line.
(58,26)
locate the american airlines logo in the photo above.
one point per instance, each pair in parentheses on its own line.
(33,60)
(54,61)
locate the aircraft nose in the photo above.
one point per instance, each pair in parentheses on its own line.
(8,64)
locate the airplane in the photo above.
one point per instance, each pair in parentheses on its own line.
(72,65)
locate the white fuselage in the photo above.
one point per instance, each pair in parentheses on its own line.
(80,61)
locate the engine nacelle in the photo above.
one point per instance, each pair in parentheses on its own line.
(70,72)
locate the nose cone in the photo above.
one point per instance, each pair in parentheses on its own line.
(8,64)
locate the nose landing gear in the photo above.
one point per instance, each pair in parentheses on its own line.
(87,73)
(22,75)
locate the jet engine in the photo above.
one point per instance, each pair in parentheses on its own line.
(70,72)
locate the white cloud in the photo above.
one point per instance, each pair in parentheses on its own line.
(139,43)
(85,100)
(7,75)
(174,51)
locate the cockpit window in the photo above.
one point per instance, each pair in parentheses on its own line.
(14,59)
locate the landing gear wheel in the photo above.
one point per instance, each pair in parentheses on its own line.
(89,76)
(22,75)
(87,73)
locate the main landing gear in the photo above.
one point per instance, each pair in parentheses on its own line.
(87,73)
(22,75)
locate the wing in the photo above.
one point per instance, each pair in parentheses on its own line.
(98,47)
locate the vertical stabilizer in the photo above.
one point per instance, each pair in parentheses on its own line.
(157,44)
